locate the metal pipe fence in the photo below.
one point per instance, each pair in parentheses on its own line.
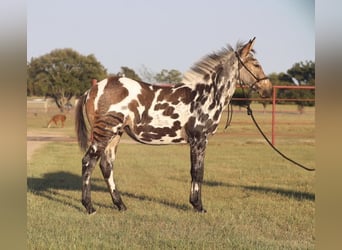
(274,100)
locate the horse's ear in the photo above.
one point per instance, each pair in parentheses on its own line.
(244,51)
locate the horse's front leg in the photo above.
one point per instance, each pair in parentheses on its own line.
(88,164)
(197,153)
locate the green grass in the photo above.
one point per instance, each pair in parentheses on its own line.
(254,198)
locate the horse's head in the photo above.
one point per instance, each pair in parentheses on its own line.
(251,72)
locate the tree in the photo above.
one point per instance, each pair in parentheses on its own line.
(282,79)
(168,76)
(130,73)
(147,74)
(164,76)
(62,74)
(304,75)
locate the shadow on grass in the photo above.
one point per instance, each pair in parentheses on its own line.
(293,194)
(183,207)
(51,185)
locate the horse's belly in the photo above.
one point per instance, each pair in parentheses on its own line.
(154,139)
(162,134)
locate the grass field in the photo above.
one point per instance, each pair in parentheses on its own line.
(254,198)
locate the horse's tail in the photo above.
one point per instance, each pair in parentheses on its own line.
(80,124)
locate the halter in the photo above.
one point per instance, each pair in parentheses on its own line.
(257,79)
(251,88)
(250,113)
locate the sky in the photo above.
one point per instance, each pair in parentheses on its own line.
(156,34)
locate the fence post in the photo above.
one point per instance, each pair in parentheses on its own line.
(273,113)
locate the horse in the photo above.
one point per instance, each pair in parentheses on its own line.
(57,118)
(185,113)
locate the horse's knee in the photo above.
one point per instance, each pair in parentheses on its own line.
(89,159)
(92,152)
(85,160)
(86,165)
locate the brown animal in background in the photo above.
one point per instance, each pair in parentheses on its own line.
(57,118)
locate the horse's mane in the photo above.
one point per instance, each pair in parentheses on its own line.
(209,64)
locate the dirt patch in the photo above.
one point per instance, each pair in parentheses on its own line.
(36,140)
(31,147)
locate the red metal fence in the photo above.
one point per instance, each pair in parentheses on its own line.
(276,100)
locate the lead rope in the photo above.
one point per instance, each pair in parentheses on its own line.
(229,115)
(250,113)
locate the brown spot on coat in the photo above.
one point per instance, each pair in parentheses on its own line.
(115,93)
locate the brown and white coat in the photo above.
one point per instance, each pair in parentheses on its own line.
(187,112)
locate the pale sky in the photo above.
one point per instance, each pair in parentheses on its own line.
(172,34)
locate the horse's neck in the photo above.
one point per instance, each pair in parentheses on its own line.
(212,98)
(229,89)
(221,88)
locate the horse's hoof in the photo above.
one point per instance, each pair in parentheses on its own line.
(201,210)
(122,208)
(91,211)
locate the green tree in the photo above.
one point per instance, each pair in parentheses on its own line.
(304,75)
(130,73)
(168,76)
(282,79)
(62,74)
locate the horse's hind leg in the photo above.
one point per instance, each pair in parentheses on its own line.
(88,163)
(107,168)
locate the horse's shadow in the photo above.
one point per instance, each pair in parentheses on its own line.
(292,194)
(51,184)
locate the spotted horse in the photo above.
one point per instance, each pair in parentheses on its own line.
(187,112)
